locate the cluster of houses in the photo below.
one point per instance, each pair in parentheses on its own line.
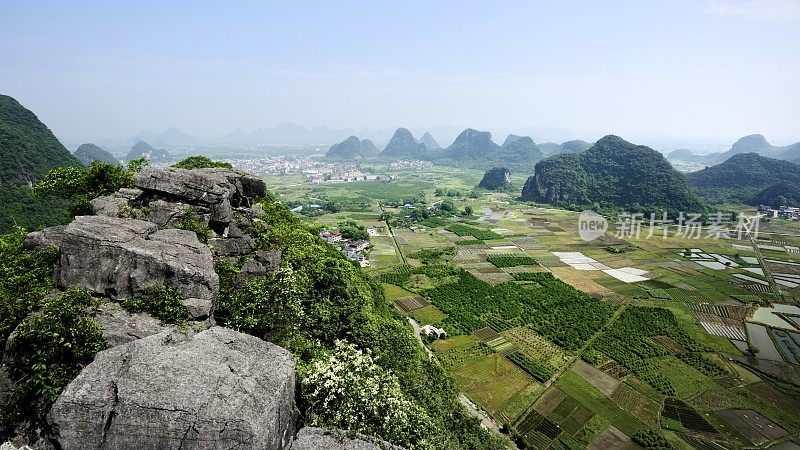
(414,164)
(327,172)
(353,249)
(785,212)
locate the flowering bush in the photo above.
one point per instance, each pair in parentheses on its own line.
(346,389)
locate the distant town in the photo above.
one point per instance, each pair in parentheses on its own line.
(318,170)
(783,212)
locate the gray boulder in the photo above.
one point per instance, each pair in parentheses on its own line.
(121,326)
(37,240)
(121,258)
(117,204)
(235,246)
(166,214)
(212,186)
(217,389)
(263,261)
(311,438)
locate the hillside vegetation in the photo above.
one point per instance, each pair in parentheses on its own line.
(495,179)
(612,173)
(28,149)
(743,177)
(87,153)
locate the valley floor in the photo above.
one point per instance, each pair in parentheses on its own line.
(696,338)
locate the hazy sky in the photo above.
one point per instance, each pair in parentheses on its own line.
(674,69)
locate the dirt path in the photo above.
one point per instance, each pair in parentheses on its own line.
(588,343)
(473,410)
(417,331)
(394,241)
(767,274)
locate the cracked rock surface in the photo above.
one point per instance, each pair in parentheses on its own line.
(120,258)
(215,389)
(311,438)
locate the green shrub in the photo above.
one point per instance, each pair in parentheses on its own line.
(81,184)
(25,278)
(269,307)
(189,223)
(652,440)
(201,162)
(47,351)
(346,389)
(162,302)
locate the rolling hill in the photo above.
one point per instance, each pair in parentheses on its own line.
(28,150)
(754,143)
(429,141)
(476,149)
(87,153)
(576,146)
(403,145)
(152,154)
(742,177)
(612,173)
(352,148)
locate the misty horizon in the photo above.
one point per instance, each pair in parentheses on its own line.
(670,76)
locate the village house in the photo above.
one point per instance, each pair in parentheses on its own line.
(430,330)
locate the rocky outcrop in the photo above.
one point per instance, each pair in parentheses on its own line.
(311,438)
(121,326)
(216,389)
(129,244)
(40,239)
(121,258)
(218,190)
(117,204)
(497,178)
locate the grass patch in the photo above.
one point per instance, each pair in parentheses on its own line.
(393,292)
(587,395)
(429,315)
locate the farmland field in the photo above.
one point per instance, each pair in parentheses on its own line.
(582,352)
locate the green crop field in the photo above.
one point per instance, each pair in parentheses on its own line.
(538,314)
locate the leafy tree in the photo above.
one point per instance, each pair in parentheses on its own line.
(269,307)
(201,162)
(352,230)
(81,184)
(652,440)
(468,210)
(447,206)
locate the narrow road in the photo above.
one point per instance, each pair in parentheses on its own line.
(417,331)
(473,410)
(767,274)
(394,241)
